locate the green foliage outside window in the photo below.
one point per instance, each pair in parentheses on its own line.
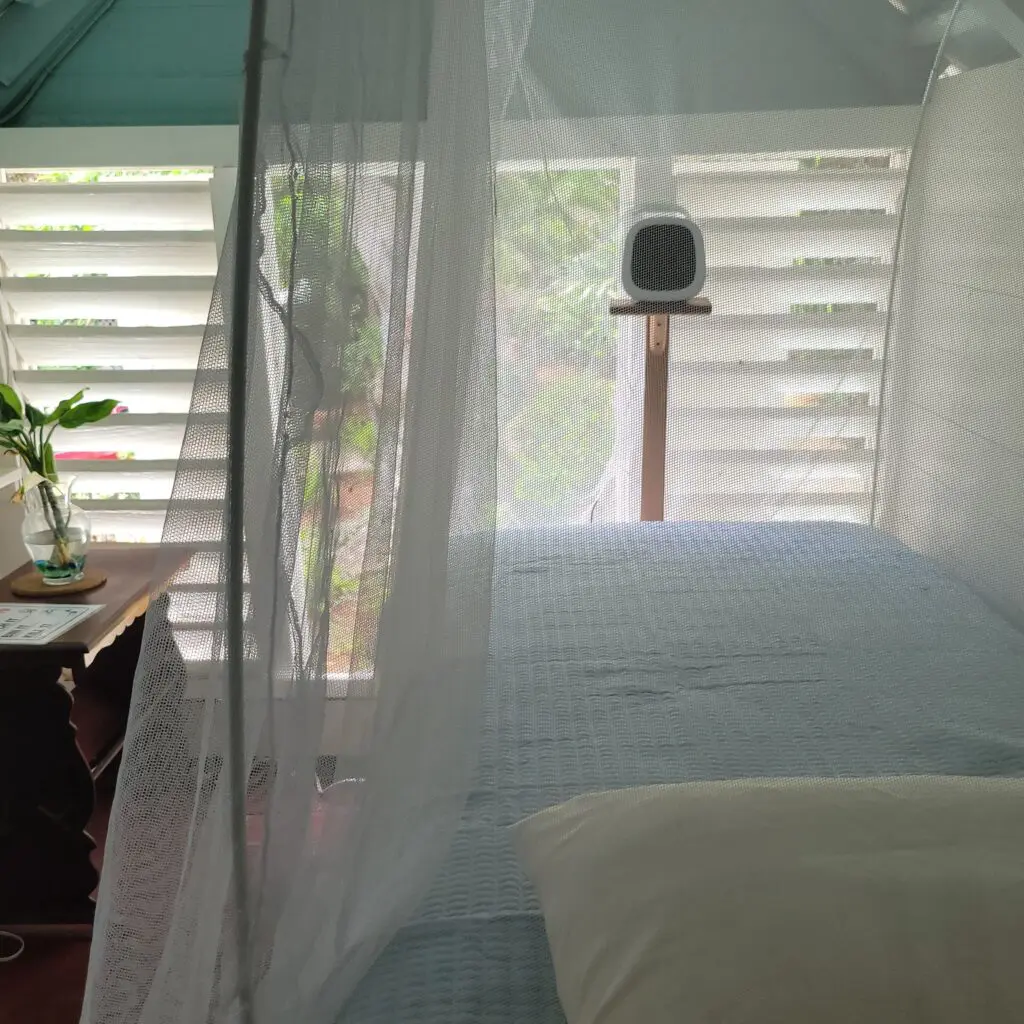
(560,443)
(343,313)
(350,314)
(556,255)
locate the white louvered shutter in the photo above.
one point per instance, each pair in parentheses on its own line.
(773,400)
(119,309)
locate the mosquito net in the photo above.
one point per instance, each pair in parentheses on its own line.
(452,614)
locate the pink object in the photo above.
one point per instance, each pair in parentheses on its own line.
(99,456)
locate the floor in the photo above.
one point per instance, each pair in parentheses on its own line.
(45,984)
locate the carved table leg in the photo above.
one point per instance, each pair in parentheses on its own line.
(103,691)
(103,694)
(46,800)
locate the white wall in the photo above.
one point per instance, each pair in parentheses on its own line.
(952,484)
(12,551)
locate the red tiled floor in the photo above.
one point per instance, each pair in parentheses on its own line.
(45,984)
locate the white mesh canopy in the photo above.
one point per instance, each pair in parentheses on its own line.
(452,614)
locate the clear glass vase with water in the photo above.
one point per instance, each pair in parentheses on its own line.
(56,532)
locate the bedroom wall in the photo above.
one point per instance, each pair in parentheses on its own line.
(952,484)
(12,552)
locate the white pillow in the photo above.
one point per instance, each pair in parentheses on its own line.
(879,901)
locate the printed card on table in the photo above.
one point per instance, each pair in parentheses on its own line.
(40,623)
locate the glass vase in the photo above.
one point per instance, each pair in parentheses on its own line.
(56,532)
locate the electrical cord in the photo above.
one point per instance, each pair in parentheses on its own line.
(11,947)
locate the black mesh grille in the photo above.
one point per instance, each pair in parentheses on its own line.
(664,258)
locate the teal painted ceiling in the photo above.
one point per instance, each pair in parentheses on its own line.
(178,62)
(35,37)
(162,62)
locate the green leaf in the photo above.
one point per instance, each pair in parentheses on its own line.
(10,404)
(49,464)
(36,417)
(64,407)
(87,412)
(11,426)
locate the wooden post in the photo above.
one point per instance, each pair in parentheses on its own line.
(652,463)
(655,424)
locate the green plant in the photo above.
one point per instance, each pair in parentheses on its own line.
(343,584)
(310,224)
(555,260)
(359,434)
(560,443)
(27,432)
(308,221)
(54,227)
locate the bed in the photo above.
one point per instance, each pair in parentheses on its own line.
(632,655)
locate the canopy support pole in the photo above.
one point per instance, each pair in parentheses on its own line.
(241,305)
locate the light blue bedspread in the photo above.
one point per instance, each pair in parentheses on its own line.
(630,655)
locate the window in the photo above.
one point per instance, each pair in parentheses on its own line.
(109,242)
(107,279)
(350,231)
(557,240)
(774,400)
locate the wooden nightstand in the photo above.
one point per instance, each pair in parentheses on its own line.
(54,745)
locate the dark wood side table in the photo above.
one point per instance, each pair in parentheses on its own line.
(53,746)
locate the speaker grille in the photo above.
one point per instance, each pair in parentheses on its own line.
(664,258)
